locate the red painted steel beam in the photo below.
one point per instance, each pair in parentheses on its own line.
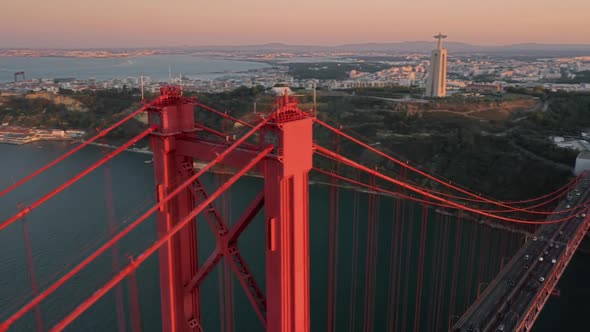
(134,303)
(73,180)
(251,212)
(246,279)
(80,309)
(205,269)
(74,150)
(32,275)
(217,254)
(203,150)
(43,295)
(227,247)
(358,166)
(210,130)
(286,192)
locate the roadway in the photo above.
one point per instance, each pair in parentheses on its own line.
(515,297)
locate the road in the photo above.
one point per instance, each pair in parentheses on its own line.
(510,297)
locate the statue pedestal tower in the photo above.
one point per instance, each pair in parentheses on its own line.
(436,85)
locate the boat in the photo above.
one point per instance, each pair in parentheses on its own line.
(148,161)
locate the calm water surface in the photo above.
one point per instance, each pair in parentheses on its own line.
(155,66)
(68,227)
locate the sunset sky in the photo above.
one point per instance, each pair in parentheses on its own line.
(117,23)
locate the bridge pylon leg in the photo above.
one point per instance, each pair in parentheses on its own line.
(178,259)
(287,216)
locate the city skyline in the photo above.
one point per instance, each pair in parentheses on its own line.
(109,23)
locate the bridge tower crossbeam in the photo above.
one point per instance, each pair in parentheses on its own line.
(285,199)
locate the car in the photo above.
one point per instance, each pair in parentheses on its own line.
(550,244)
(541,259)
(577,194)
(500,327)
(541,279)
(583,215)
(560,233)
(526,266)
(534,238)
(546,252)
(567,206)
(553,261)
(526,257)
(556,246)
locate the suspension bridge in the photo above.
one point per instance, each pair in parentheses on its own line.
(373,249)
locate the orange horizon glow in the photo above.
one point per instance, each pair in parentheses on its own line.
(137,23)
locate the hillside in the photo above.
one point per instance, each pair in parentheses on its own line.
(498,147)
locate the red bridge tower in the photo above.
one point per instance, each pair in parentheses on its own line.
(285,199)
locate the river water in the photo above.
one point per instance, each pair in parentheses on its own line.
(68,227)
(155,67)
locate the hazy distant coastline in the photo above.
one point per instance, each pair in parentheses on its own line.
(397,47)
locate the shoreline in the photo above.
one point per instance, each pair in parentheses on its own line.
(33,140)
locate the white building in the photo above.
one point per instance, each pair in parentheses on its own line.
(582,162)
(437,77)
(281,90)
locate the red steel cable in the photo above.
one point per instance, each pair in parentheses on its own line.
(71,181)
(470,274)
(407,163)
(436,249)
(115,249)
(368,256)
(419,283)
(156,246)
(407,268)
(220,275)
(575,208)
(32,276)
(336,250)
(225,115)
(399,264)
(414,169)
(511,210)
(374,254)
(331,234)
(335,190)
(441,286)
(508,210)
(134,303)
(356,165)
(422,201)
(74,150)
(35,301)
(353,273)
(221,298)
(456,260)
(392,264)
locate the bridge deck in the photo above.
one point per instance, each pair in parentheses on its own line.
(514,299)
